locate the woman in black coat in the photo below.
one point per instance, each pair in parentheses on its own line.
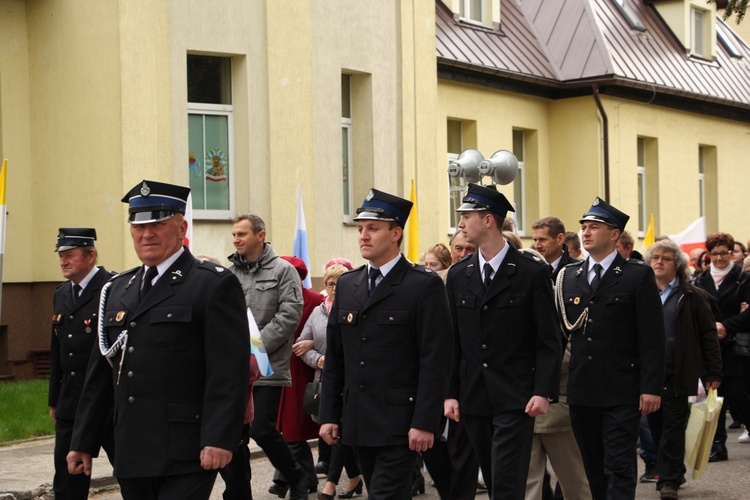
(727,287)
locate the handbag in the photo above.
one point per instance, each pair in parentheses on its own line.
(700,432)
(311,398)
(742,344)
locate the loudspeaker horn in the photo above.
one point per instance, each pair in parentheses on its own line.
(502,167)
(467,165)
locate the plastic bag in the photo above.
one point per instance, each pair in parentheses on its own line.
(701,428)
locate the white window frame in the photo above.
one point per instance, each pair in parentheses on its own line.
(727,42)
(465,9)
(701,180)
(698,42)
(218,110)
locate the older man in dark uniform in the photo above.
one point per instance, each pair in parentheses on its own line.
(389,349)
(76,308)
(507,347)
(175,342)
(612,312)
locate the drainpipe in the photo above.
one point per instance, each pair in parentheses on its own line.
(605,138)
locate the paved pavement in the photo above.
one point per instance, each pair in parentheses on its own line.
(26,472)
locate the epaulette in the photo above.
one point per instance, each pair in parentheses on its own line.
(421,268)
(574,264)
(215,268)
(124,273)
(464,257)
(61,284)
(355,269)
(635,261)
(531,256)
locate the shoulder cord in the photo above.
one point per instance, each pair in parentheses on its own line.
(121,343)
(560,305)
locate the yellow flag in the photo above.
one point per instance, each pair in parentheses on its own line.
(650,238)
(3,177)
(412,252)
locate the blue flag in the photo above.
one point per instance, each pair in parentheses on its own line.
(299,249)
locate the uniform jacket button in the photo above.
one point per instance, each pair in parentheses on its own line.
(484,365)
(70,354)
(72,374)
(361,363)
(169,315)
(131,349)
(70,335)
(484,308)
(71,317)
(133,324)
(131,399)
(411,399)
(361,387)
(484,347)
(130,374)
(590,358)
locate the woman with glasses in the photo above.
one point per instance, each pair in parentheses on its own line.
(311,347)
(727,287)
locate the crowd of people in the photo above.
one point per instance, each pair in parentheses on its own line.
(487,364)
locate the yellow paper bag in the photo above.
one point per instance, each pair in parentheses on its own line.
(701,428)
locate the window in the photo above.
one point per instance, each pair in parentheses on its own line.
(630,15)
(472,10)
(346,146)
(210,136)
(701,182)
(519,184)
(641,175)
(698,32)
(456,185)
(726,41)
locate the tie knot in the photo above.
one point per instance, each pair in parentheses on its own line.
(597,268)
(374,273)
(151,273)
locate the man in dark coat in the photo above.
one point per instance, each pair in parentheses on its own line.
(388,354)
(74,320)
(692,349)
(507,344)
(175,340)
(612,313)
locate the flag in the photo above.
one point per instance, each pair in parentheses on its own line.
(649,239)
(188,239)
(257,347)
(299,249)
(412,248)
(3,177)
(694,236)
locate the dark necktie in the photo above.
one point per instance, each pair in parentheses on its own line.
(374,274)
(597,276)
(151,273)
(76,292)
(551,270)
(487,275)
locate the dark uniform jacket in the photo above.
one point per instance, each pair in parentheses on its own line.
(618,353)
(564,261)
(184,379)
(507,342)
(388,356)
(725,305)
(73,336)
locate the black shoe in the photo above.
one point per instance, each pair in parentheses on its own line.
(718,452)
(668,491)
(278,490)
(300,489)
(321,468)
(736,424)
(650,476)
(357,489)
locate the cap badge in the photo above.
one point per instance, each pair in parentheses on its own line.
(596,202)
(370,196)
(145,190)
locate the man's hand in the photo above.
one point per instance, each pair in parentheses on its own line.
(536,406)
(52,411)
(420,440)
(649,403)
(450,409)
(721,332)
(79,462)
(329,433)
(302,347)
(215,458)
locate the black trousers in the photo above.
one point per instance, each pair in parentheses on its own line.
(196,486)
(74,486)
(387,471)
(608,440)
(342,456)
(668,430)
(502,443)
(237,474)
(264,433)
(303,456)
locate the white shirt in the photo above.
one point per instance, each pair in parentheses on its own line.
(495,261)
(605,263)
(162,268)
(85,281)
(384,269)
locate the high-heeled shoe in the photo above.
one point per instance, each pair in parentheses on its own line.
(325,496)
(357,489)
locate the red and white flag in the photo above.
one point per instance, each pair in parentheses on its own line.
(694,236)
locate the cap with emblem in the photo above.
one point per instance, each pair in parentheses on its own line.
(383,206)
(480,198)
(601,211)
(151,201)
(69,238)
